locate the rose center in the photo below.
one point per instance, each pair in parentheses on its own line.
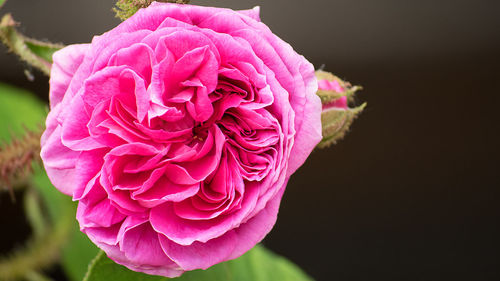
(200,131)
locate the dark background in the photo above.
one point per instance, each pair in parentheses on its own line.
(412,192)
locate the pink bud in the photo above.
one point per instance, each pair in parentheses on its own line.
(336,116)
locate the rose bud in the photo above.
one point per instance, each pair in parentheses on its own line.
(177,131)
(336,117)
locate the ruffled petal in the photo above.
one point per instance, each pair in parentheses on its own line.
(66,63)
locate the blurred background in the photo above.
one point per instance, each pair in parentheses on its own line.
(412,192)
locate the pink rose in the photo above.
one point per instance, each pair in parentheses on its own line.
(177,132)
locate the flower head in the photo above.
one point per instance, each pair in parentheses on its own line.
(177,132)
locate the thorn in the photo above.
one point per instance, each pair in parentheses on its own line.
(29,75)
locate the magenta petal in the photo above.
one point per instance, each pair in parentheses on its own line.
(203,164)
(165,221)
(101,214)
(88,167)
(120,198)
(163,190)
(330,85)
(102,85)
(103,236)
(95,209)
(252,13)
(229,246)
(254,230)
(114,253)
(200,255)
(139,57)
(55,154)
(309,133)
(62,179)
(66,62)
(59,161)
(75,133)
(340,103)
(140,243)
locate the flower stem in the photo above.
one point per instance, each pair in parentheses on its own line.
(34,52)
(41,251)
(17,158)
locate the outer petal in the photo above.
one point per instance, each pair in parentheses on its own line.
(140,243)
(59,161)
(229,246)
(254,230)
(307,121)
(252,13)
(66,63)
(200,255)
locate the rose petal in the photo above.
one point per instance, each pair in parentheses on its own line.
(66,62)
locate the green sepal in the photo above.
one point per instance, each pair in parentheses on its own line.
(126,8)
(36,53)
(327,96)
(336,123)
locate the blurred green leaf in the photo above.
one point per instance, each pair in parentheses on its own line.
(2,2)
(259,264)
(79,251)
(57,204)
(78,254)
(35,213)
(42,49)
(19,108)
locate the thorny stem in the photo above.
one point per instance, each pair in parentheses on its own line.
(19,44)
(17,157)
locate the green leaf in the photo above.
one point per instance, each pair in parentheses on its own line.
(58,205)
(259,264)
(34,52)
(35,213)
(42,49)
(19,109)
(2,2)
(78,254)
